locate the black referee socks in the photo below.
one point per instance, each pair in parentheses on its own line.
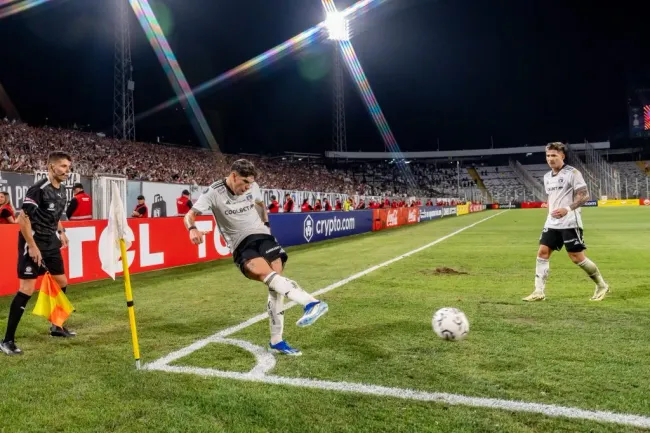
(16,311)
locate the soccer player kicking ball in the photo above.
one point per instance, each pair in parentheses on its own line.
(567,192)
(237,205)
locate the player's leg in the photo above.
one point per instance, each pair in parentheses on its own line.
(28,271)
(549,240)
(275,308)
(258,269)
(575,246)
(313,308)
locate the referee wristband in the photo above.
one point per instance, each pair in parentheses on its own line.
(191,228)
(60,231)
(268,224)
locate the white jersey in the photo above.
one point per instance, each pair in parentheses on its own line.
(236,215)
(561,189)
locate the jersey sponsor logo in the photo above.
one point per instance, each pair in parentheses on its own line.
(240,210)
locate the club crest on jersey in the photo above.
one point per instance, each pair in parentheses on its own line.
(51,206)
(560,180)
(249,196)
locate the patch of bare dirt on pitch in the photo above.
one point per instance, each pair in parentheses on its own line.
(443,271)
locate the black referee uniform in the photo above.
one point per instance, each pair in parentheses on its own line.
(44,206)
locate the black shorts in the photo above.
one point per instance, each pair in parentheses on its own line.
(253,246)
(571,239)
(28,270)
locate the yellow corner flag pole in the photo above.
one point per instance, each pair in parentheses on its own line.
(129,304)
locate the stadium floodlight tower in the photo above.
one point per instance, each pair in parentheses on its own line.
(123,84)
(338,29)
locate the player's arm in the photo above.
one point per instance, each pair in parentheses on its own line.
(580,197)
(259,205)
(580,191)
(264,214)
(62,236)
(30,206)
(72,206)
(201,206)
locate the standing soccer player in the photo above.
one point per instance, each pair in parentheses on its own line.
(241,216)
(567,192)
(40,241)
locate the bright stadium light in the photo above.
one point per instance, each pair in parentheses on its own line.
(337,26)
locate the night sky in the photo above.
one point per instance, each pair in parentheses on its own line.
(457,71)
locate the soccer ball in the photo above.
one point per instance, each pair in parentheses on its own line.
(450,324)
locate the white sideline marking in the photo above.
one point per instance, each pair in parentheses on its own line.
(265,362)
(410,394)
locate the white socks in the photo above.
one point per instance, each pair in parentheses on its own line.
(592,270)
(275,307)
(541,274)
(289,288)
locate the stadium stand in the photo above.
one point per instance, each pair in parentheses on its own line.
(634,180)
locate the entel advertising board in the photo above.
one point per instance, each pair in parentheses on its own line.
(299,228)
(159,243)
(164,242)
(644,201)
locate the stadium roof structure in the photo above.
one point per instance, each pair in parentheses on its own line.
(459,154)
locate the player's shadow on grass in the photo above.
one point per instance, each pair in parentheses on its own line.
(635,292)
(372,341)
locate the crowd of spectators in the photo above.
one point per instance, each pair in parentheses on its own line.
(23,148)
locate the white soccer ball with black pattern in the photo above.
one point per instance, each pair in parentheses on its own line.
(450,324)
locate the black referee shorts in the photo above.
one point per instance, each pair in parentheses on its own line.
(260,245)
(29,270)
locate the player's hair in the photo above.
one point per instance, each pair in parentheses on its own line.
(557,146)
(58,155)
(244,168)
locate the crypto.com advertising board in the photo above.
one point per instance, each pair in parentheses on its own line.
(295,229)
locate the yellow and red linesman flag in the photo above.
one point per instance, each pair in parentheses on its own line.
(52,302)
